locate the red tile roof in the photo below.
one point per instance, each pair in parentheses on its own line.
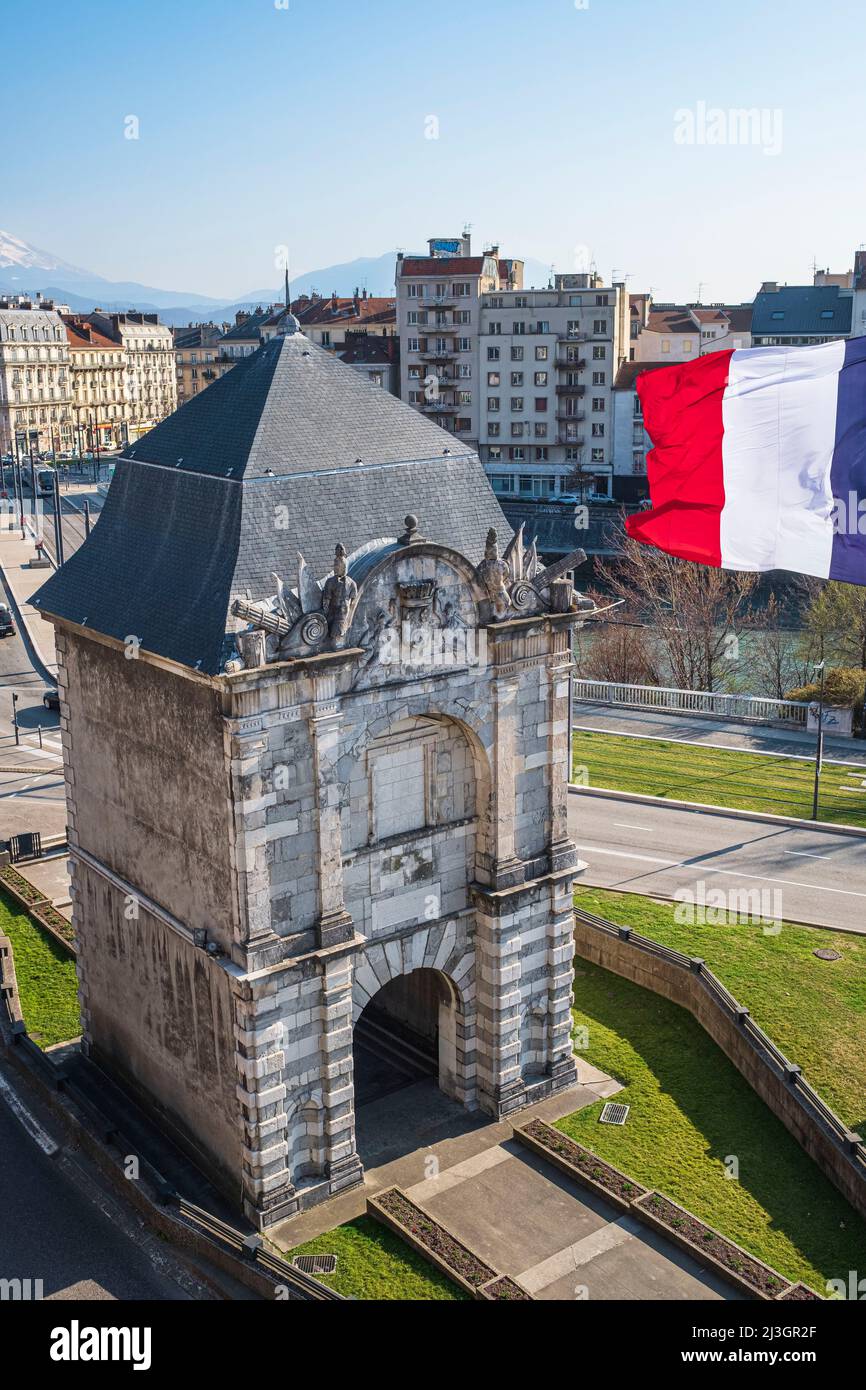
(82,335)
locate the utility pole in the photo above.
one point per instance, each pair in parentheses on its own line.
(58,524)
(819,746)
(15,717)
(86,518)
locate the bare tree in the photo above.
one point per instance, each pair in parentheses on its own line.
(691,609)
(616,648)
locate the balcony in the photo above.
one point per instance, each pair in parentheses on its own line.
(564,362)
(438,355)
(570,389)
(437,328)
(565,437)
(437,408)
(445,301)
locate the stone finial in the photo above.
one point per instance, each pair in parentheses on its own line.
(412,534)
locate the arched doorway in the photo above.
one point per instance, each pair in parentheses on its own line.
(407,1034)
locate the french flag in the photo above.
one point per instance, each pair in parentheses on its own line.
(759,459)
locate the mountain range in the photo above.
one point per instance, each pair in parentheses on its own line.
(25,269)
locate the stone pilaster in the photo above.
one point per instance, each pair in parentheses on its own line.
(507,867)
(335,923)
(342,1165)
(497,989)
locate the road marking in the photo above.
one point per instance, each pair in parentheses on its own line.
(804,854)
(30,1123)
(733,873)
(624,825)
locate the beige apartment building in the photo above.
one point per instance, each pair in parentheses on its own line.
(148,347)
(98,368)
(199,358)
(35,384)
(439,300)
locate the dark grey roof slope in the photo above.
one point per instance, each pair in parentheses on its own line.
(801,310)
(269,465)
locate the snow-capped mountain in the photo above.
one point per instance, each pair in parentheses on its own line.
(17,254)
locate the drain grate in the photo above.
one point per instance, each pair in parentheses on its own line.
(315,1264)
(827,955)
(613,1114)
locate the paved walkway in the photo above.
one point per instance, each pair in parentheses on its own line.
(716,733)
(512,1208)
(15,557)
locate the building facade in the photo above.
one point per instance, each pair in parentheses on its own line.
(349,799)
(200,358)
(98,371)
(151,382)
(35,377)
(683,332)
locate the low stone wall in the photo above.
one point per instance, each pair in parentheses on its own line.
(839,1153)
(10,1004)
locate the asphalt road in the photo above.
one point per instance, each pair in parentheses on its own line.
(641,847)
(31,783)
(58,1225)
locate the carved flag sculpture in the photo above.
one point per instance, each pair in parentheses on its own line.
(759,460)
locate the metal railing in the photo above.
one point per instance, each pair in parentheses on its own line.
(754,707)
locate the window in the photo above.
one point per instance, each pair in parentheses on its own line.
(540,429)
(493,354)
(518,329)
(502,482)
(542,354)
(463,426)
(516,404)
(598,431)
(417,291)
(574,301)
(599,378)
(465,398)
(517,354)
(601,300)
(495,330)
(493,403)
(414,345)
(517,378)
(494,453)
(540,404)
(494,429)
(637,408)
(599,326)
(687,344)
(412,317)
(638,463)
(778,314)
(541,378)
(599,403)
(416,397)
(599,354)
(497,302)
(572,456)
(543,326)
(597,455)
(463,316)
(525,482)
(464,344)
(521,302)
(541,455)
(462,290)
(493,379)
(464,370)
(517,429)
(827,313)
(666,344)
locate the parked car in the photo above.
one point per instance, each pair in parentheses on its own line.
(51,698)
(7,623)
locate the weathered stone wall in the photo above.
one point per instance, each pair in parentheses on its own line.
(159,1014)
(147,786)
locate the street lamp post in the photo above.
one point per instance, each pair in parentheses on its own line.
(15,717)
(819,746)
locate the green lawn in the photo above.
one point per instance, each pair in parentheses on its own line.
(46,978)
(814,1010)
(718,777)
(375,1265)
(690,1111)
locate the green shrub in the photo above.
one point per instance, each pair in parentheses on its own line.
(844,685)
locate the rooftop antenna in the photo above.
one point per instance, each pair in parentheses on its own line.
(701,287)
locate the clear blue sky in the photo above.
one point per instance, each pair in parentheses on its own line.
(306,126)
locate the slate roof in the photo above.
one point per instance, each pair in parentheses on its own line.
(802,307)
(289,451)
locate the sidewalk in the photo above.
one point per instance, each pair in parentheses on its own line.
(716,733)
(21,582)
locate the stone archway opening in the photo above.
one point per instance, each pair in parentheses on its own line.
(406,1035)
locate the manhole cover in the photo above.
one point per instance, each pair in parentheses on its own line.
(613,1114)
(827,955)
(315,1264)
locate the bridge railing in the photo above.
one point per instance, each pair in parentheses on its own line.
(758,708)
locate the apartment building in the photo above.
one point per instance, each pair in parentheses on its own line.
(148,347)
(332,323)
(246,334)
(546,368)
(35,381)
(200,358)
(98,372)
(439,299)
(800,315)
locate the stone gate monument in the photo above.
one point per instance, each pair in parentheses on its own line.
(314,710)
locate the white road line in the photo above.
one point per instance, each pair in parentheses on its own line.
(804,854)
(624,825)
(30,1123)
(733,873)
